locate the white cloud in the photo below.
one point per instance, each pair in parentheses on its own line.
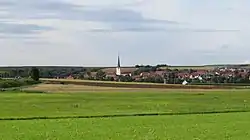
(161,9)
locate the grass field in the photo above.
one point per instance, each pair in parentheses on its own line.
(182,112)
(192,127)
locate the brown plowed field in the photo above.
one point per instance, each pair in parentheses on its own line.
(133,85)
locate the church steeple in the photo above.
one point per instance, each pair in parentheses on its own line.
(119,63)
(118,68)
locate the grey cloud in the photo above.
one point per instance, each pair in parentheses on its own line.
(119,19)
(123,4)
(140,29)
(23,37)
(13,28)
(214,30)
(33,9)
(156,29)
(137,3)
(59,10)
(119,15)
(225,46)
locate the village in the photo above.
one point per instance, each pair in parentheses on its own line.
(156,74)
(161,73)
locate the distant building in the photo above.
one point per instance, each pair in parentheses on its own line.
(70,77)
(184,82)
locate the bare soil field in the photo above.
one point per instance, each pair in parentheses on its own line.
(74,88)
(133,84)
(71,88)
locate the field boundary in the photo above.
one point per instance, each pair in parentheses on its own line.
(133,85)
(123,115)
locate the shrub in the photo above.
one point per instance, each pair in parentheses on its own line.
(17,83)
(62,83)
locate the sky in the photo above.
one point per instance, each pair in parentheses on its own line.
(93,32)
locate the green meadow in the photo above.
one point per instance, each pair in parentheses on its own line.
(233,126)
(183,115)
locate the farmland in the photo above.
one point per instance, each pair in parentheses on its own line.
(192,127)
(84,112)
(140,85)
(205,67)
(190,67)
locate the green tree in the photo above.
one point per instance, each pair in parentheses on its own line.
(34,74)
(126,78)
(100,75)
(81,75)
(158,79)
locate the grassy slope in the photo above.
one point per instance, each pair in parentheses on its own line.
(191,127)
(30,105)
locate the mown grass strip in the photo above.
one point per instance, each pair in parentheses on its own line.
(123,115)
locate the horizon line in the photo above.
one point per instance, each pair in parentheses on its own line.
(109,66)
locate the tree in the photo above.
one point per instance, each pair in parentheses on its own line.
(14,72)
(126,78)
(153,69)
(158,79)
(100,75)
(34,73)
(137,66)
(171,77)
(161,65)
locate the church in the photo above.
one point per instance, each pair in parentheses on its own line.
(122,71)
(118,68)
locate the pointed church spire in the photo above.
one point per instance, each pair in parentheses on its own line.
(118,69)
(119,63)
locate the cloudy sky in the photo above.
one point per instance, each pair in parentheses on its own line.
(92,32)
